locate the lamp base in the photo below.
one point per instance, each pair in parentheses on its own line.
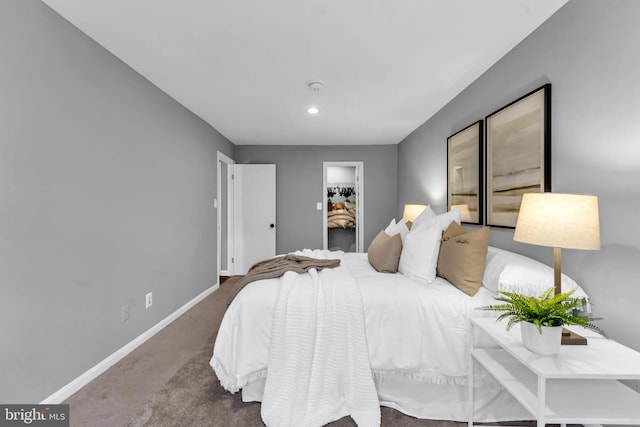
(571,338)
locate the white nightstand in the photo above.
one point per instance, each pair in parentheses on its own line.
(578,385)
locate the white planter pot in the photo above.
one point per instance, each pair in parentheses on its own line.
(546,343)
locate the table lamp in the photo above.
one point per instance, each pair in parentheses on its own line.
(567,221)
(411,212)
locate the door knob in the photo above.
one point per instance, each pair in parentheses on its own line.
(272,226)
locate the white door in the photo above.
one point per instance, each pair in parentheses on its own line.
(224,206)
(254,212)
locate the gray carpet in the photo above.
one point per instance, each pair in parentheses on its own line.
(194,397)
(167,381)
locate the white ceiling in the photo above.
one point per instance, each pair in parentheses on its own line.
(243,65)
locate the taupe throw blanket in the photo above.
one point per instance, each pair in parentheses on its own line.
(276,267)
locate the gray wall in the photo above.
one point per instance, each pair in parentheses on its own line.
(589,52)
(106,193)
(299,187)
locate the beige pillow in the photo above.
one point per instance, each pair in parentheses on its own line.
(462,257)
(337,217)
(338,212)
(344,223)
(384,252)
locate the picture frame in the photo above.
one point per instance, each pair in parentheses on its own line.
(465,173)
(518,154)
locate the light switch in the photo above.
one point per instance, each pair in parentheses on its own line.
(319,206)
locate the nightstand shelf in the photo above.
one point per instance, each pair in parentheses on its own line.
(578,385)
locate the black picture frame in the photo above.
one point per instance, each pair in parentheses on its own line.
(518,154)
(465,173)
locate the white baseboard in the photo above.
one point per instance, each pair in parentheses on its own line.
(65,392)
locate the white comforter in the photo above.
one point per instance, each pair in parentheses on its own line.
(318,369)
(414,329)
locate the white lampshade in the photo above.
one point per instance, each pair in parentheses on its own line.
(411,212)
(559,220)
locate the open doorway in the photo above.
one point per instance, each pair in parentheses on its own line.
(343,211)
(246,215)
(224,200)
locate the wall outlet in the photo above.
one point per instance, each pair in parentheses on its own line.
(124,313)
(149,300)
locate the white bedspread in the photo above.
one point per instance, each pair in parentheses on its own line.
(318,369)
(318,366)
(414,330)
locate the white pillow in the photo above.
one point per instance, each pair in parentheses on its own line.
(494,264)
(420,250)
(395,228)
(444,220)
(391,227)
(512,272)
(425,215)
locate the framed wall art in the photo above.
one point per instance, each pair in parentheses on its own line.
(464,176)
(518,157)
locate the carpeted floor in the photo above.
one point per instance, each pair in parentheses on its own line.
(194,397)
(167,382)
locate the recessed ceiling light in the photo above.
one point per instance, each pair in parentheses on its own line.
(316,86)
(313,110)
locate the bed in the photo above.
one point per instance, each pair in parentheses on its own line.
(414,342)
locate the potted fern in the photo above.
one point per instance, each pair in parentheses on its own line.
(542,317)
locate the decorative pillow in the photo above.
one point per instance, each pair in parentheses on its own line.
(497,259)
(512,272)
(392,224)
(384,252)
(344,223)
(420,252)
(445,219)
(425,215)
(463,256)
(341,216)
(338,212)
(395,228)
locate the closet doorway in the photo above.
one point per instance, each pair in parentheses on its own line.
(343,207)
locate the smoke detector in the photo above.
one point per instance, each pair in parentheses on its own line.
(315,86)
